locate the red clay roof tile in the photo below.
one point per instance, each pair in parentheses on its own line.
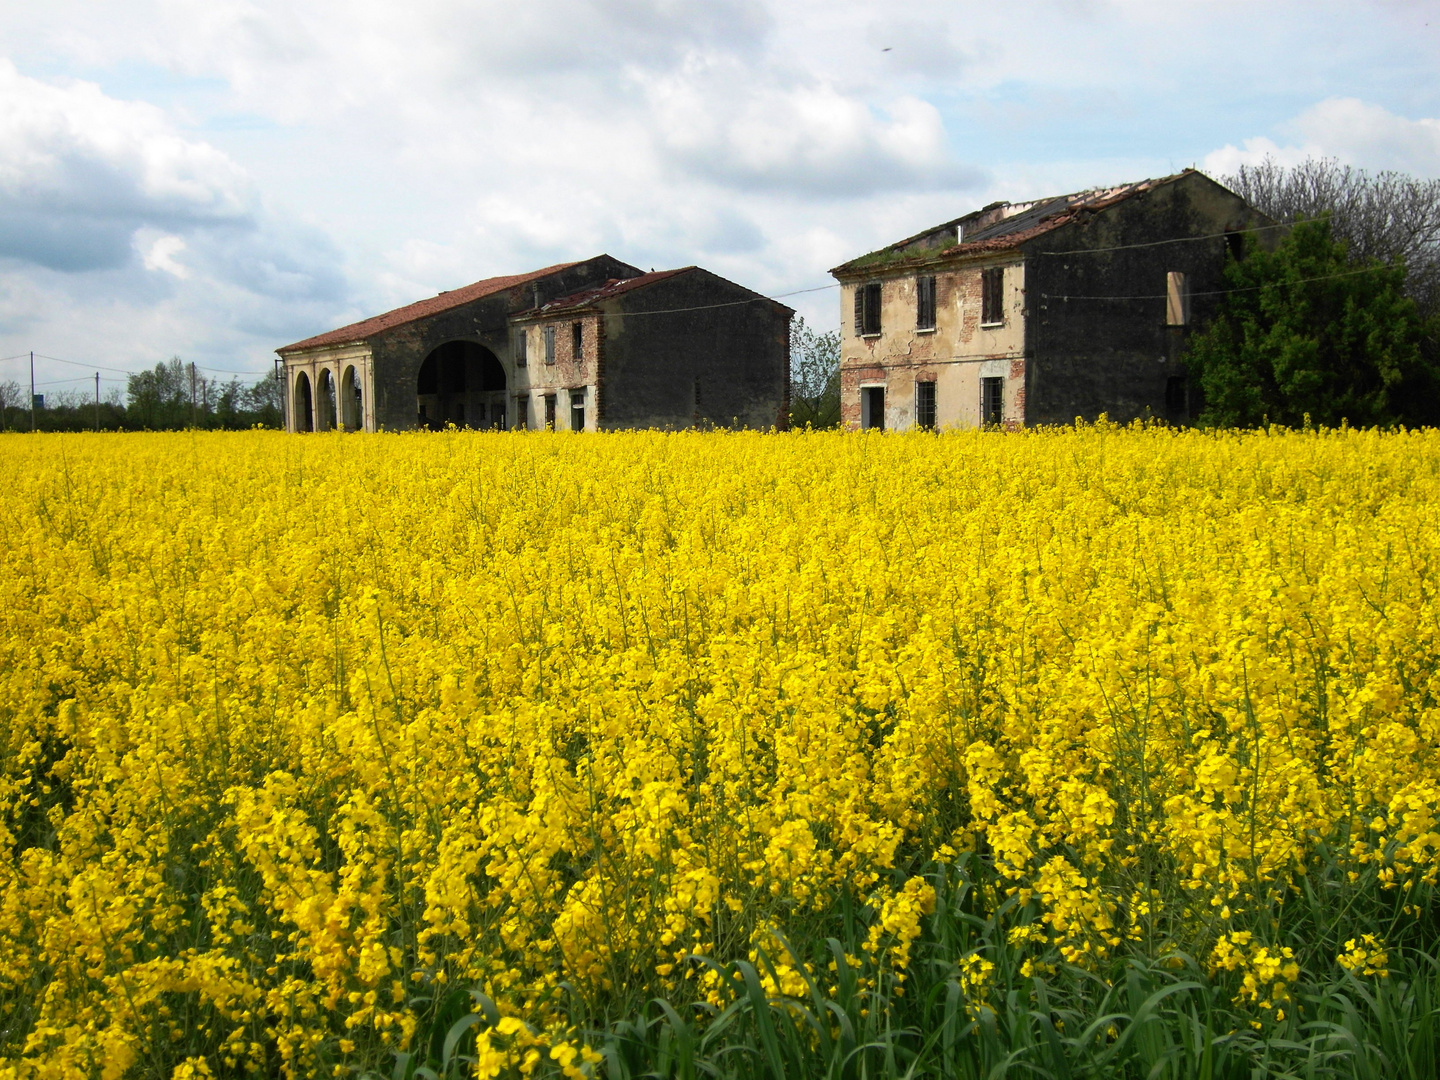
(420,309)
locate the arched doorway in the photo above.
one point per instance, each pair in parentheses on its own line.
(352,404)
(461,383)
(325,415)
(302,407)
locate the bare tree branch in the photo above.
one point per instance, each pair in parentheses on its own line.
(1389,216)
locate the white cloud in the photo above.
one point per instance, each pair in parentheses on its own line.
(80,172)
(159,254)
(419,146)
(810,138)
(123,237)
(1350,130)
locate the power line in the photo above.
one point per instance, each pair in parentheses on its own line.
(127,371)
(1223,292)
(92,367)
(1185,239)
(540,312)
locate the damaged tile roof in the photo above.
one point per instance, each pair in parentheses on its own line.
(1000,226)
(589,297)
(421,308)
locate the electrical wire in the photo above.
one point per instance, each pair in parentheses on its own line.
(1185,239)
(1223,292)
(77,363)
(541,313)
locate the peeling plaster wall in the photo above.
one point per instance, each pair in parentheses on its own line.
(1085,328)
(569,371)
(956,355)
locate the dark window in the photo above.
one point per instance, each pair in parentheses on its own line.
(497,416)
(549,344)
(867,308)
(925,303)
(520,342)
(992,401)
(1177,405)
(925,404)
(549,412)
(992,295)
(577,407)
(522,412)
(577,340)
(872,407)
(1235,245)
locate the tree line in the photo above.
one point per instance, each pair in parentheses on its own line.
(1340,321)
(171,396)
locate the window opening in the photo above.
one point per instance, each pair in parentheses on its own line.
(992,401)
(1177,299)
(925,303)
(522,412)
(872,408)
(549,412)
(992,296)
(867,309)
(549,344)
(925,405)
(577,408)
(521,342)
(577,341)
(1235,245)
(1177,398)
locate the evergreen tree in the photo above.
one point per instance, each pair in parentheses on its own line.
(1305,331)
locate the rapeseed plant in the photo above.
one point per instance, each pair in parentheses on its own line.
(301,737)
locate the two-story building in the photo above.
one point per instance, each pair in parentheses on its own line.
(581,346)
(1040,312)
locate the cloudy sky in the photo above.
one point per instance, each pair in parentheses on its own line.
(215,178)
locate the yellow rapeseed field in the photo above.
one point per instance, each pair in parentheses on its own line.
(295,729)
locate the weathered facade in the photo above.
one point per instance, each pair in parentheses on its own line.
(580,346)
(1040,312)
(677,348)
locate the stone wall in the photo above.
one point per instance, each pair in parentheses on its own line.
(694,350)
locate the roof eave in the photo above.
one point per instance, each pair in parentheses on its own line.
(944,257)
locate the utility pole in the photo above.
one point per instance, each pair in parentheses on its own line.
(192,394)
(32,389)
(97,401)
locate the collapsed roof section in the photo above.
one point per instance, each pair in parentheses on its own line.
(999,226)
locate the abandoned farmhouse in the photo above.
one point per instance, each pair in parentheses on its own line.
(582,346)
(1039,312)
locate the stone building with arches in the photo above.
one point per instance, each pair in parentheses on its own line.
(578,346)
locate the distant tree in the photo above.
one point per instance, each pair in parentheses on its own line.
(814,376)
(160,398)
(263,403)
(1388,216)
(10,398)
(1306,330)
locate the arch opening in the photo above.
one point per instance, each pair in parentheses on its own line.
(303,407)
(352,402)
(325,414)
(462,383)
